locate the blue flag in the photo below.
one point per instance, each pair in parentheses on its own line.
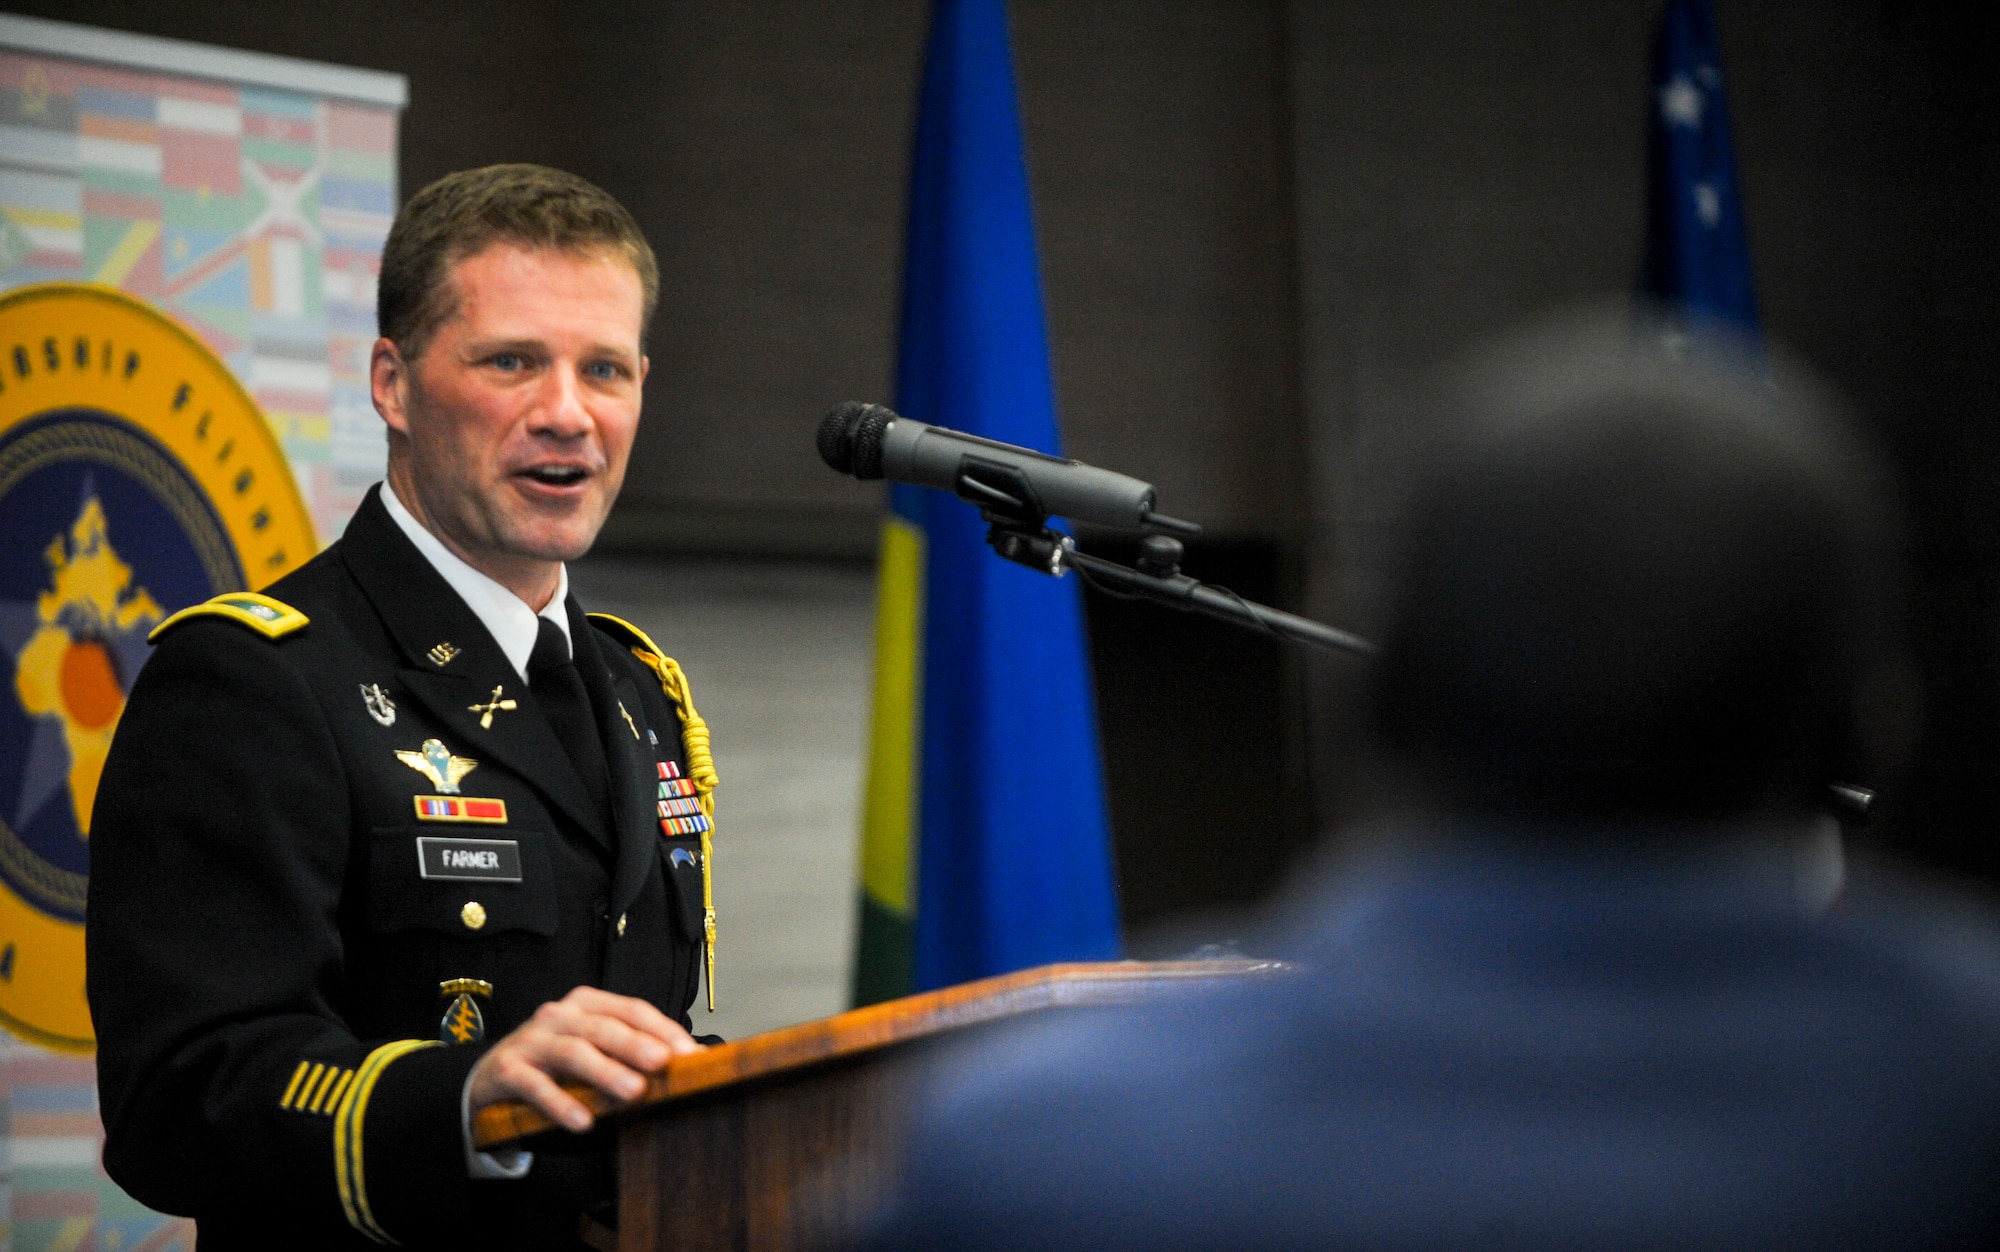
(1001,808)
(1697,253)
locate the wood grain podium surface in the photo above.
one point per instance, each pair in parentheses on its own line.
(789,1139)
(875,1026)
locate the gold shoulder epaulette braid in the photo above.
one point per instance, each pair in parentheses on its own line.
(273,619)
(701,766)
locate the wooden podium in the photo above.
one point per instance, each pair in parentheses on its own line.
(783,1140)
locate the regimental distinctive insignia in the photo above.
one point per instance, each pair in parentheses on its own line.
(380,706)
(628,719)
(137,478)
(493,704)
(652,738)
(441,654)
(435,762)
(459,809)
(316,1087)
(463,1022)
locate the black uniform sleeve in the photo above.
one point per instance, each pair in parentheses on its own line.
(230,1082)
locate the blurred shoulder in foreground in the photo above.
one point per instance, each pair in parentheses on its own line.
(1584,984)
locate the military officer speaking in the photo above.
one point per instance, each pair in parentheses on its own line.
(409,833)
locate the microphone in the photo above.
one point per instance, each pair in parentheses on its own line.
(870,441)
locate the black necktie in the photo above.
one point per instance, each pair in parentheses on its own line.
(553,677)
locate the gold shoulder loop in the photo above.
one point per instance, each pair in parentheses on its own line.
(273,619)
(701,765)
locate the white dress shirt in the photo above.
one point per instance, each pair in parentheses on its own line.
(505,615)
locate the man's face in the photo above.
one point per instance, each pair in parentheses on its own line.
(517,419)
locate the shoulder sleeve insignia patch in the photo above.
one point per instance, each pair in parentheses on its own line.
(273,619)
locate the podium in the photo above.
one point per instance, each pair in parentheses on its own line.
(786,1139)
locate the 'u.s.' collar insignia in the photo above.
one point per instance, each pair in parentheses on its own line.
(435,762)
(380,706)
(441,654)
(463,1022)
(486,710)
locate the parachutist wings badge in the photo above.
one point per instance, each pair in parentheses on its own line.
(435,762)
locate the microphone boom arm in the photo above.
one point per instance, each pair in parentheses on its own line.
(1157,577)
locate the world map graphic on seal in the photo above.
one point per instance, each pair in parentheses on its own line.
(136,478)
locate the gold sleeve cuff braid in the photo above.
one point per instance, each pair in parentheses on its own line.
(701,766)
(349,1174)
(273,619)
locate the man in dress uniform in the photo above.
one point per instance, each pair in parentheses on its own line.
(409,833)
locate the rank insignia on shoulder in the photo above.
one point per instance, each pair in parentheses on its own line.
(435,762)
(273,619)
(459,809)
(463,1022)
(316,1087)
(380,706)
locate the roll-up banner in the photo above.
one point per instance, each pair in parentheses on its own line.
(189,241)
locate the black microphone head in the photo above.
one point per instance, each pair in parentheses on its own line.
(850,437)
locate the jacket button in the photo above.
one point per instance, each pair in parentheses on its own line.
(621,925)
(473,915)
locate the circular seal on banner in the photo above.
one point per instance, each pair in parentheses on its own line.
(137,477)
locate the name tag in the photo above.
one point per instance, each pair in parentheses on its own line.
(475,860)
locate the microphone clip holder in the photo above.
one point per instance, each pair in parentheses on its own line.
(1018,531)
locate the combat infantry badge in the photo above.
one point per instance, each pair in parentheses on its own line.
(435,762)
(380,706)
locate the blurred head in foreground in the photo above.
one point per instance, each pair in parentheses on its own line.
(1634,574)
(1578,996)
